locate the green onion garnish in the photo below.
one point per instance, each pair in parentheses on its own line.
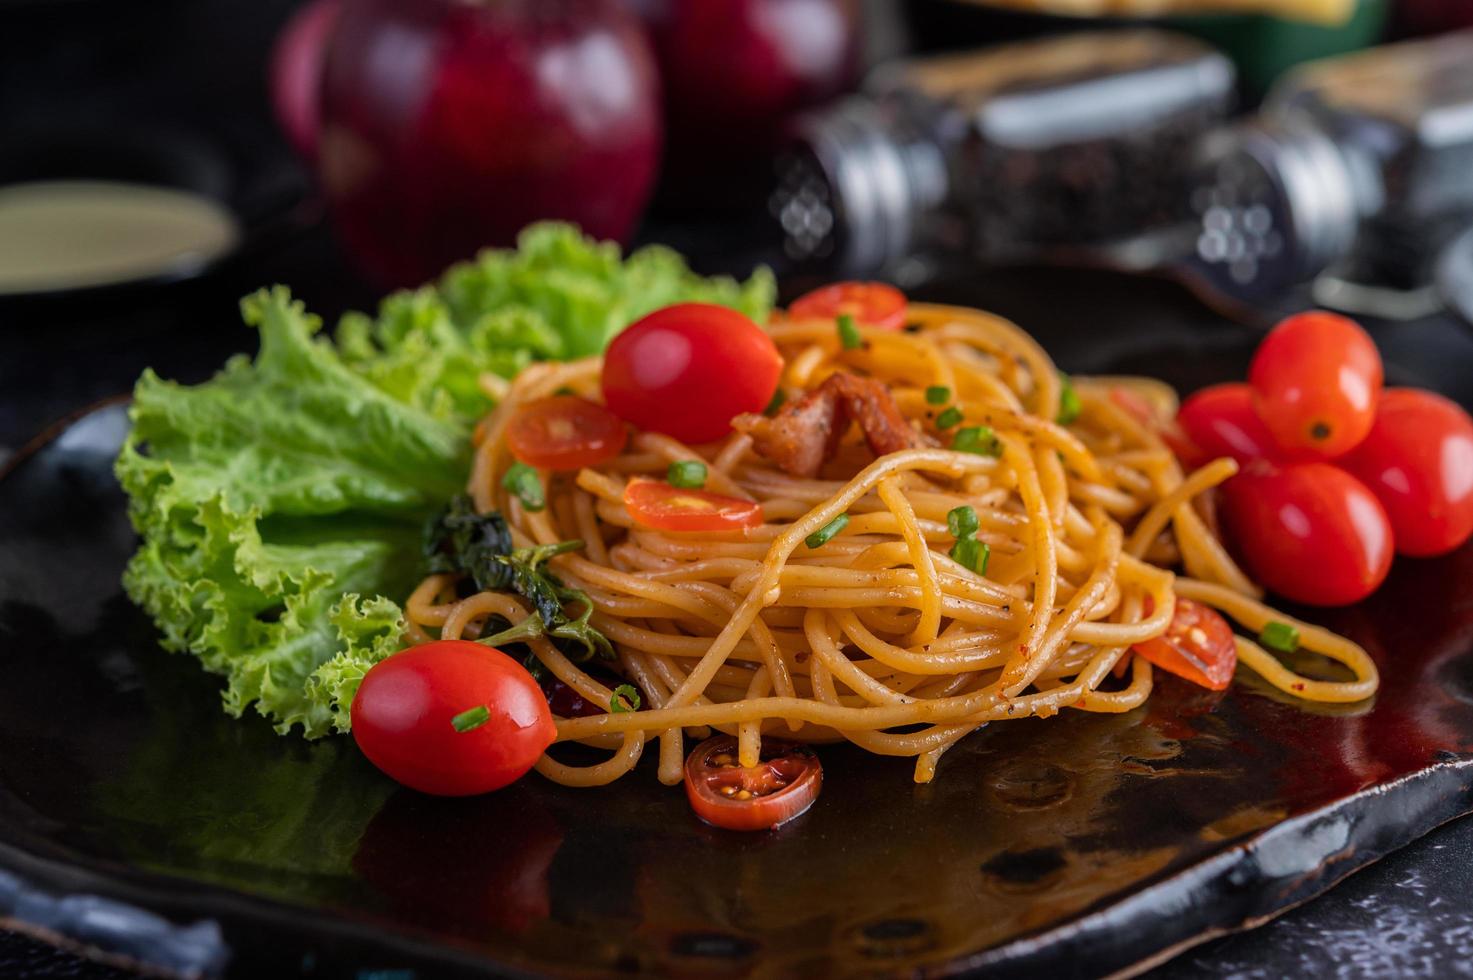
(962,522)
(849,333)
(971,554)
(821,537)
(778,397)
(624,698)
(1279,636)
(938,395)
(952,416)
(1069,405)
(979,439)
(469,720)
(688,474)
(522,482)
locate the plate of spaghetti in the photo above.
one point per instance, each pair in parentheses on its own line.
(579,613)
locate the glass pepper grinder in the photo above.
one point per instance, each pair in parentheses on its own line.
(1069,148)
(1354,176)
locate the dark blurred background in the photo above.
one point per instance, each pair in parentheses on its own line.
(722,128)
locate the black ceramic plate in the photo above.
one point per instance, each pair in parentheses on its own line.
(1080,845)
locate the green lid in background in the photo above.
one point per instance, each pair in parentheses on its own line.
(1265,47)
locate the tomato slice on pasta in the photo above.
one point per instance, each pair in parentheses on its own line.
(565,432)
(873,304)
(1198,645)
(656,504)
(780,787)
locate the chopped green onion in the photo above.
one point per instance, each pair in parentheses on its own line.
(778,397)
(522,482)
(938,395)
(952,416)
(971,554)
(1069,405)
(688,474)
(962,522)
(625,698)
(979,439)
(469,720)
(1280,636)
(821,537)
(849,333)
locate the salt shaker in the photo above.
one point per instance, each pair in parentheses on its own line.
(1355,175)
(1069,147)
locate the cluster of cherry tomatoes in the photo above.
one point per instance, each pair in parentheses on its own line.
(1337,473)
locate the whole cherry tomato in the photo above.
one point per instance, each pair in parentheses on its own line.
(1198,645)
(452,718)
(656,504)
(688,369)
(872,304)
(1309,531)
(781,786)
(1418,461)
(1316,378)
(565,432)
(1221,421)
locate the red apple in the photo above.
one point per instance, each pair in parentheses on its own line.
(296,73)
(448,125)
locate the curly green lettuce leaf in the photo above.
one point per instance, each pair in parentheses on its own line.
(278,504)
(558,295)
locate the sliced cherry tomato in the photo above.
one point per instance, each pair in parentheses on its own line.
(565,432)
(687,370)
(405,710)
(1198,645)
(1309,531)
(872,304)
(1221,421)
(777,789)
(1316,378)
(1176,440)
(657,504)
(1418,461)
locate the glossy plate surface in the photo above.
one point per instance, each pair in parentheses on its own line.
(1083,844)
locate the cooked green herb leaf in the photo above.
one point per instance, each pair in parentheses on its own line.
(972,554)
(1279,636)
(778,397)
(962,522)
(821,537)
(938,395)
(979,439)
(952,416)
(623,699)
(522,482)
(468,721)
(849,334)
(1069,404)
(688,474)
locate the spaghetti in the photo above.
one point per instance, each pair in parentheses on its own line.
(877,635)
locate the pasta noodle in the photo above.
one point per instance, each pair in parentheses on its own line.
(878,636)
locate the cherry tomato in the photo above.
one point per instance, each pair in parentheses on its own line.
(872,304)
(1418,461)
(1198,645)
(404,711)
(1316,378)
(1221,421)
(565,432)
(1309,531)
(687,370)
(780,787)
(657,504)
(1170,432)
